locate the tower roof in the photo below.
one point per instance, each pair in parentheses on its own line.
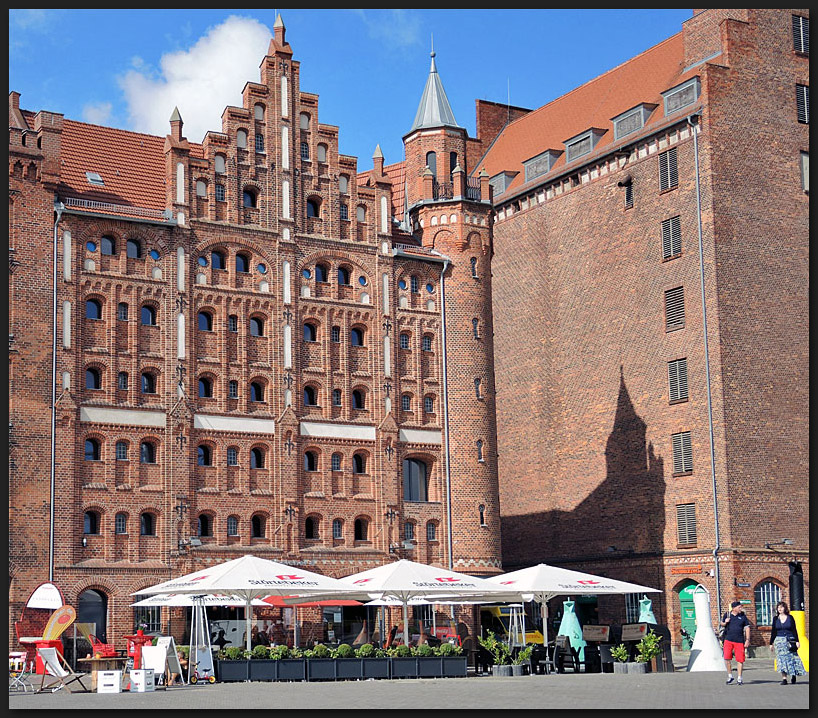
(434,109)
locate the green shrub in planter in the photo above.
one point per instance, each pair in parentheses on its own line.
(425,650)
(260,652)
(448,649)
(344,651)
(319,651)
(620,653)
(279,652)
(402,651)
(367,650)
(234,653)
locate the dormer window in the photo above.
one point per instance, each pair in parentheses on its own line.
(681,96)
(500,182)
(631,121)
(540,164)
(582,144)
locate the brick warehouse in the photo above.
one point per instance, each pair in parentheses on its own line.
(259,348)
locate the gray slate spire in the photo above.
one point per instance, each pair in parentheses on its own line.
(434,109)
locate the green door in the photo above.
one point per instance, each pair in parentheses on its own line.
(687,613)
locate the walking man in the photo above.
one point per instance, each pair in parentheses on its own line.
(736,640)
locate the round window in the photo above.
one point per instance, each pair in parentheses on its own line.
(306,273)
(154,254)
(430,288)
(91,246)
(202,261)
(362,281)
(402,284)
(262,268)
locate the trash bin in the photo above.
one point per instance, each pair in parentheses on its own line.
(57,643)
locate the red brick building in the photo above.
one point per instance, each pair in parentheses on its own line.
(591,318)
(658,217)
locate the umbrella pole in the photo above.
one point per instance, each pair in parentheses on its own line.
(247,622)
(405,623)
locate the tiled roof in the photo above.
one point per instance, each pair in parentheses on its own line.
(639,80)
(132,165)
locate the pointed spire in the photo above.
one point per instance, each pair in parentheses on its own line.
(176,124)
(434,109)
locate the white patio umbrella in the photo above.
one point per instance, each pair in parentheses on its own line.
(542,582)
(405,581)
(189,599)
(249,578)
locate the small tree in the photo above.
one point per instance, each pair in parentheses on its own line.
(620,653)
(649,647)
(498,650)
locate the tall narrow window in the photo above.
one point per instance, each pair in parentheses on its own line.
(337,529)
(122,312)
(767,595)
(475,328)
(426,343)
(257,526)
(805,171)
(93,309)
(256,458)
(409,531)
(336,461)
(147,524)
(133,249)
(92,450)
(121,523)
(677,380)
(686,524)
(232,389)
(473,262)
(671,237)
(682,453)
(800,34)
(232,526)
(477,388)
(482,512)
(674,309)
(480,450)
(232,456)
(629,195)
(429,405)
(148,316)
(361,529)
(668,169)
(356,337)
(802,102)
(415,480)
(205,322)
(205,388)
(121,450)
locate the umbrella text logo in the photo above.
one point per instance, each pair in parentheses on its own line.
(589,583)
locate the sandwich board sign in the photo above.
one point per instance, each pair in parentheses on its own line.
(162,657)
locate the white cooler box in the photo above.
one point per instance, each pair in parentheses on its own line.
(109,682)
(142,681)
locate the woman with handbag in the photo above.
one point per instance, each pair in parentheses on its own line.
(784,641)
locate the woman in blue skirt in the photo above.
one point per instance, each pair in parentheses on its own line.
(784,632)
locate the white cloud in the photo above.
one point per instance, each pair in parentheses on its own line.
(200,81)
(97,114)
(392,27)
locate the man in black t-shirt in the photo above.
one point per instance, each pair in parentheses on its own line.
(736,639)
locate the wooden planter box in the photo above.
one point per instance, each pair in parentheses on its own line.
(404,667)
(291,669)
(320,669)
(349,668)
(454,666)
(263,669)
(375,667)
(231,671)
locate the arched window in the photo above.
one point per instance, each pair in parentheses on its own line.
(233,323)
(311,527)
(358,464)
(256,392)
(335,334)
(767,595)
(232,526)
(221,196)
(241,139)
(304,121)
(336,461)
(91,523)
(343,276)
(409,531)
(204,525)
(148,315)
(107,245)
(359,399)
(361,213)
(121,450)
(232,456)
(205,320)
(482,512)
(305,151)
(248,199)
(122,381)
(431,163)
(133,248)
(232,389)
(343,184)
(431,531)
(219,164)
(322,152)
(147,524)
(429,404)
(256,327)
(415,480)
(310,332)
(336,397)
(361,529)
(93,378)
(92,450)
(242,261)
(147,453)
(93,309)
(406,402)
(122,312)
(258,112)
(356,337)
(257,526)
(452,161)
(414,284)
(310,398)
(310,461)
(480,450)
(203,455)
(321,273)
(473,261)
(201,188)
(148,383)
(404,340)
(313,208)
(217,260)
(257,458)
(259,143)
(121,523)
(426,343)
(337,529)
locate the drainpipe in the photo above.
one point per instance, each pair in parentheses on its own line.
(450,546)
(58,209)
(693,122)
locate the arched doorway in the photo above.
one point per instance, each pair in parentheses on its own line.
(93,608)
(687,612)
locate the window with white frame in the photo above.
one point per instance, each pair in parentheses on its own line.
(766,595)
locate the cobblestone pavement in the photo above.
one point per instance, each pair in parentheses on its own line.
(680,690)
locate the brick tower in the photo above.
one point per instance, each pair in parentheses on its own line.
(450,214)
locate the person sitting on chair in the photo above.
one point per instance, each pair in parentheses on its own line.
(174,677)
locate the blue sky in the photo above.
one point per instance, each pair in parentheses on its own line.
(130,68)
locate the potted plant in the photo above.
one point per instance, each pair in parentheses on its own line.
(320,663)
(291,663)
(347,664)
(522,661)
(233,664)
(429,663)
(262,667)
(452,660)
(374,661)
(649,649)
(499,654)
(403,663)
(620,654)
